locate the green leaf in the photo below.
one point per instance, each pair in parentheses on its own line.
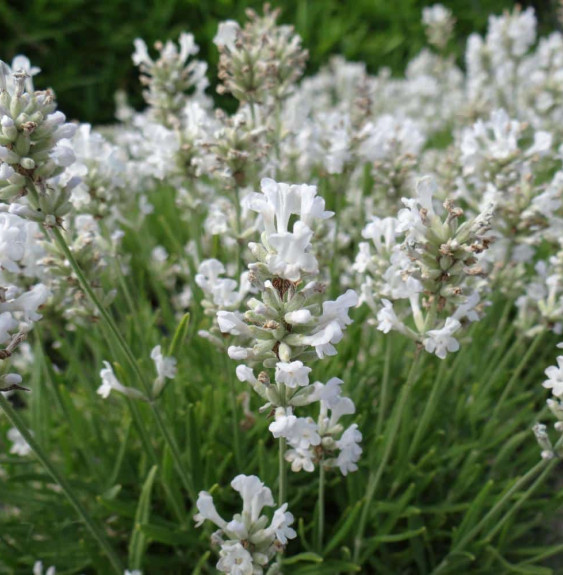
(346,527)
(180,334)
(302,557)
(328,568)
(164,535)
(475,512)
(138,544)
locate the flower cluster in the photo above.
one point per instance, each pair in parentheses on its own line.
(427,258)
(285,320)
(250,540)
(20,300)
(35,149)
(260,61)
(169,78)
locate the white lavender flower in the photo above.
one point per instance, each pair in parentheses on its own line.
(250,540)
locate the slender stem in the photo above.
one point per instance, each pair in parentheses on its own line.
(384,388)
(429,408)
(238,231)
(282,478)
(321,504)
(496,508)
(500,326)
(499,361)
(124,346)
(523,362)
(374,478)
(151,454)
(335,268)
(514,508)
(95,530)
(282,494)
(235,423)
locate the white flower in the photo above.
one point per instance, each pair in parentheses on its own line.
(237,352)
(280,525)
(207,511)
(435,15)
(245,373)
(111,383)
(332,323)
(208,274)
(298,317)
(28,302)
(555,378)
(247,542)
(7,324)
(227,34)
(341,406)
(440,341)
(38,569)
(283,423)
(290,257)
(328,393)
(255,495)
(350,451)
(63,153)
(19,444)
(165,367)
(300,459)
(141,54)
(387,318)
(235,559)
(232,322)
(300,432)
(292,374)
(12,241)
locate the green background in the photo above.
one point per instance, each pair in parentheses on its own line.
(84,46)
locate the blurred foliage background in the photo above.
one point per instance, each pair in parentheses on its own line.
(84,46)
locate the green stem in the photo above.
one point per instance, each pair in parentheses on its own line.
(340,204)
(95,530)
(523,362)
(496,508)
(282,472)
(282,493)
(238,231)
(384,388)
(124,346)
(151,454)
(497,364)
(235,424)
(500,326)
(429,408)
(374,478)
(321,505)
(514,508)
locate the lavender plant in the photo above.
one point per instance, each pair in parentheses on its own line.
(421,262)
